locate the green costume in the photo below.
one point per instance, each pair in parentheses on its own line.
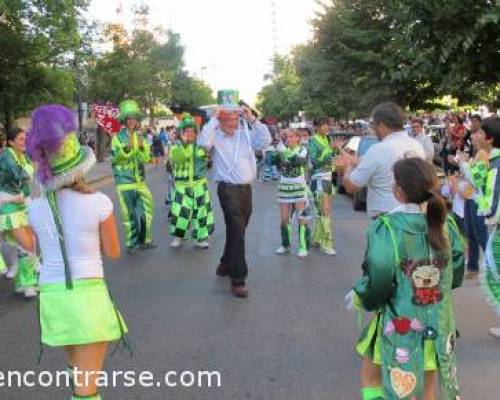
(409,287)
(191,204)
(321,156)
(136,201)
(484,177)
(16,173)
(292,189)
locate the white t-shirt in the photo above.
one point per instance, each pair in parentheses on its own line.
(81,215)
(427,145)
(375,170)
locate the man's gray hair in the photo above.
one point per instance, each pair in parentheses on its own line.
(390,114)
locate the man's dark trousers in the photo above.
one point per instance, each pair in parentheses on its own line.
(476,233)
(236,203)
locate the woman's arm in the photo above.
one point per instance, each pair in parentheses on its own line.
(110,243)
(25,238)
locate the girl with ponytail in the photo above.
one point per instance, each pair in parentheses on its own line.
(414,258)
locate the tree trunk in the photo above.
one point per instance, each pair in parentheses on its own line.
(8,119)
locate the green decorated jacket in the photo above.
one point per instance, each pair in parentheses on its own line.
(292,162)
(128,160)
(16,173)
(320,154)
(484,178)
(410,288)
(189,163)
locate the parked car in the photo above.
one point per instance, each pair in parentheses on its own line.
(358,146)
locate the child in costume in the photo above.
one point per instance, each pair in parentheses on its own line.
(172,139)
(321,156)
(130,153)
(483,173)
(16,173)
(270,168)
(414,258)
(191,205)
(292,192)
(76,310)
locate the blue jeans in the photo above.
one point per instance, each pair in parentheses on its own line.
(476,233)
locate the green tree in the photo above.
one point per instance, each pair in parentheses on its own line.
(408,51)
(38,42)
(188,92)
(281,98)
(453,44)
(141,68)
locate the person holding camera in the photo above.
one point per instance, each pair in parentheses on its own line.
(233,134)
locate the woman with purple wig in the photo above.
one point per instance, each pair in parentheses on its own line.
(76,310)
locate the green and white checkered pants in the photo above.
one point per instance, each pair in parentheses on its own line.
(191,207)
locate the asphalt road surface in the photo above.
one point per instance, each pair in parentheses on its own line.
(291,339)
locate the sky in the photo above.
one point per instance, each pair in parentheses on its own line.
(228,43)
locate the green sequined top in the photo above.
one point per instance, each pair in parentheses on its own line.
(484,178)
(321,154)
(16,174)
(128,160)
(292,162)
(189,162)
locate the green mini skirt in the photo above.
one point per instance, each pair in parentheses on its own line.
(369,346)
(82,315)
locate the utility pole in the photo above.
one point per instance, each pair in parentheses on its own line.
(274,27)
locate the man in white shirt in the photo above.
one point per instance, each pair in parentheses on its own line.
(417,133)
(374,169)
(233,136)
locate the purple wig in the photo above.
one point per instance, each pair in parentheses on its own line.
(49,126)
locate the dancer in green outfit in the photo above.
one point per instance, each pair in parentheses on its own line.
(191,203)
(414,258)
(76,310)
(16,173)
(292,192)
(483,174)
(130,153)
(321,153)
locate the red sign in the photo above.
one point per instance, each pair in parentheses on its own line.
(106,117)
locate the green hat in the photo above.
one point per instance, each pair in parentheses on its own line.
(129,109)
(187,122)
(70,162)
(228,99)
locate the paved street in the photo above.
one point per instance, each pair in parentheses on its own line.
(290,340)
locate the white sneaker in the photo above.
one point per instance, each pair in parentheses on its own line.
(302,253)
(11,273)
(19,290)
(329,252)
(495,332)
(176,243)
(282,250)
(29,293)
(202,245)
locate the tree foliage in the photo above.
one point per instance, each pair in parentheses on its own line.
(142,68)
(39,41)
(281,98)
(408,51)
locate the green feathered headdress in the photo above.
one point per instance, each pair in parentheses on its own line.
(187,122)
(129,109)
